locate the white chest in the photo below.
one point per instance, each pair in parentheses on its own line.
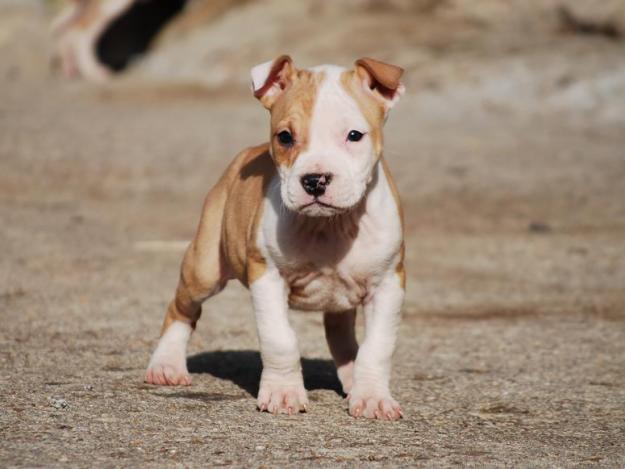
(334,264)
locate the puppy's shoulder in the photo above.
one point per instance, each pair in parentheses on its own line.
(248,177)
(251,164)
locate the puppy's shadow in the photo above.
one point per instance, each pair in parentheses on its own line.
(243,368)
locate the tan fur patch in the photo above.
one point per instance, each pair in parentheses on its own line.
(400,264)
(250,175)
(88,13)
(372,110)
(384,77)
(293,112)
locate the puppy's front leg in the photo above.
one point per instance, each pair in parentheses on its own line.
(281,383)
(370,395)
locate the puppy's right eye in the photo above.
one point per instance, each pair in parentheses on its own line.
(285,138)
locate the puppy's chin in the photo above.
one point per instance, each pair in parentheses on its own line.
(317,210)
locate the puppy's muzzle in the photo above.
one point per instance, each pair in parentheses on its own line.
(315,183)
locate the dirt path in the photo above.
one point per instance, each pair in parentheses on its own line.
(512,348)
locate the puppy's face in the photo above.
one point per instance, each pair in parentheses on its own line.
(326,129)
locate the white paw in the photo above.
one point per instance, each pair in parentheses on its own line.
(374,405)
(168,365)
(282,396)
(167,374)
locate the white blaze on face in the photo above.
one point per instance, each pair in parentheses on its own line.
(349,163)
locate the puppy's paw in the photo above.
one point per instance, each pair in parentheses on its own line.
(282,399)
(167,374)
(374,405)
(168,365)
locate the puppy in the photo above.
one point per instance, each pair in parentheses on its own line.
(312,221)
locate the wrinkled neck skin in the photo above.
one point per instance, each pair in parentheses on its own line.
(342,227)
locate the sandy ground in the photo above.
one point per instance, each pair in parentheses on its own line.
(512,348)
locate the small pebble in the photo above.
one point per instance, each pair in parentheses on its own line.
(538,227)
(59,403)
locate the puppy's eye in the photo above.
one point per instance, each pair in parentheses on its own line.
(285,138)
(354,136)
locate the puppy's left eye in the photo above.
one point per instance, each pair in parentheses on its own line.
(354,136)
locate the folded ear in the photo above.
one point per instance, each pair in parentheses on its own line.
(271,78)
(381,79)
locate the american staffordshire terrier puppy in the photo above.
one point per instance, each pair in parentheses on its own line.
(312,221)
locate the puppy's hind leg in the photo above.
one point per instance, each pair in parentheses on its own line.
(203,274)
(341,337)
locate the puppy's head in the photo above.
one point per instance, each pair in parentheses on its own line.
(326,129)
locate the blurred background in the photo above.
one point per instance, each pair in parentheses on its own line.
(508,148)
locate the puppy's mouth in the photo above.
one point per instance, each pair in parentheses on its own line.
(320,203)
(319,208)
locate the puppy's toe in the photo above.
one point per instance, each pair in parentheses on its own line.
(378,406)
(282,399)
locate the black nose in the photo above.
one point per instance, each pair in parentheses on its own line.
(315,183)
